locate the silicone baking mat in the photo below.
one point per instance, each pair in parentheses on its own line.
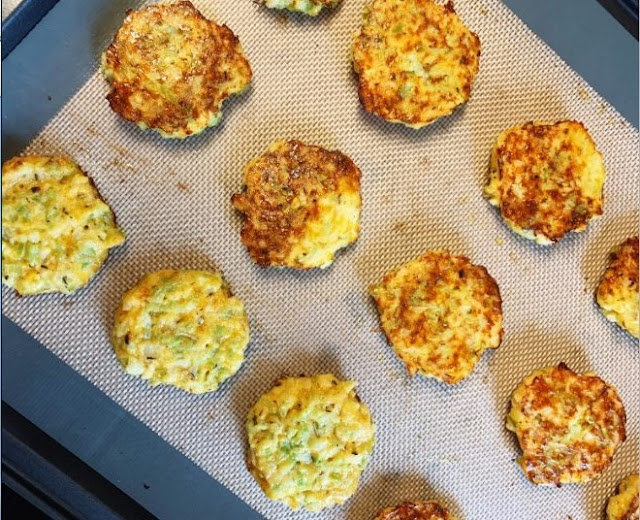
(421,190)
(8,6)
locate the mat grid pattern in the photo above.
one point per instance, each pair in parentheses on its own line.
(8,6)
(421,190)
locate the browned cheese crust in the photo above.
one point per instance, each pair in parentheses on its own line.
(624,504)
(415,511)
(569,425)
(415,60)
(440,312)
(547,179)
(301,204)
(617,293)
(170,69)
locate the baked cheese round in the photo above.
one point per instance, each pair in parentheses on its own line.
(569,425)
(170,69)
(310,439)
(617,294)
(310,7)
(56,230)
(624,504)
(181,328)
(440,313)
(301,203)
(547,179)
(417,510)
(415,60)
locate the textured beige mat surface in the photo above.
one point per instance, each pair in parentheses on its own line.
(421,190)
(8,7)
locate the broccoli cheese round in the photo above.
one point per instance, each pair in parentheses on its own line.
(547,179)
(310,7)
(170,69)
(624,504)
(418,510)
(617,294)
(440,313)
(415,60)
(301,203)
(56,230)
(569,425)
(181,328)
(310,439)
